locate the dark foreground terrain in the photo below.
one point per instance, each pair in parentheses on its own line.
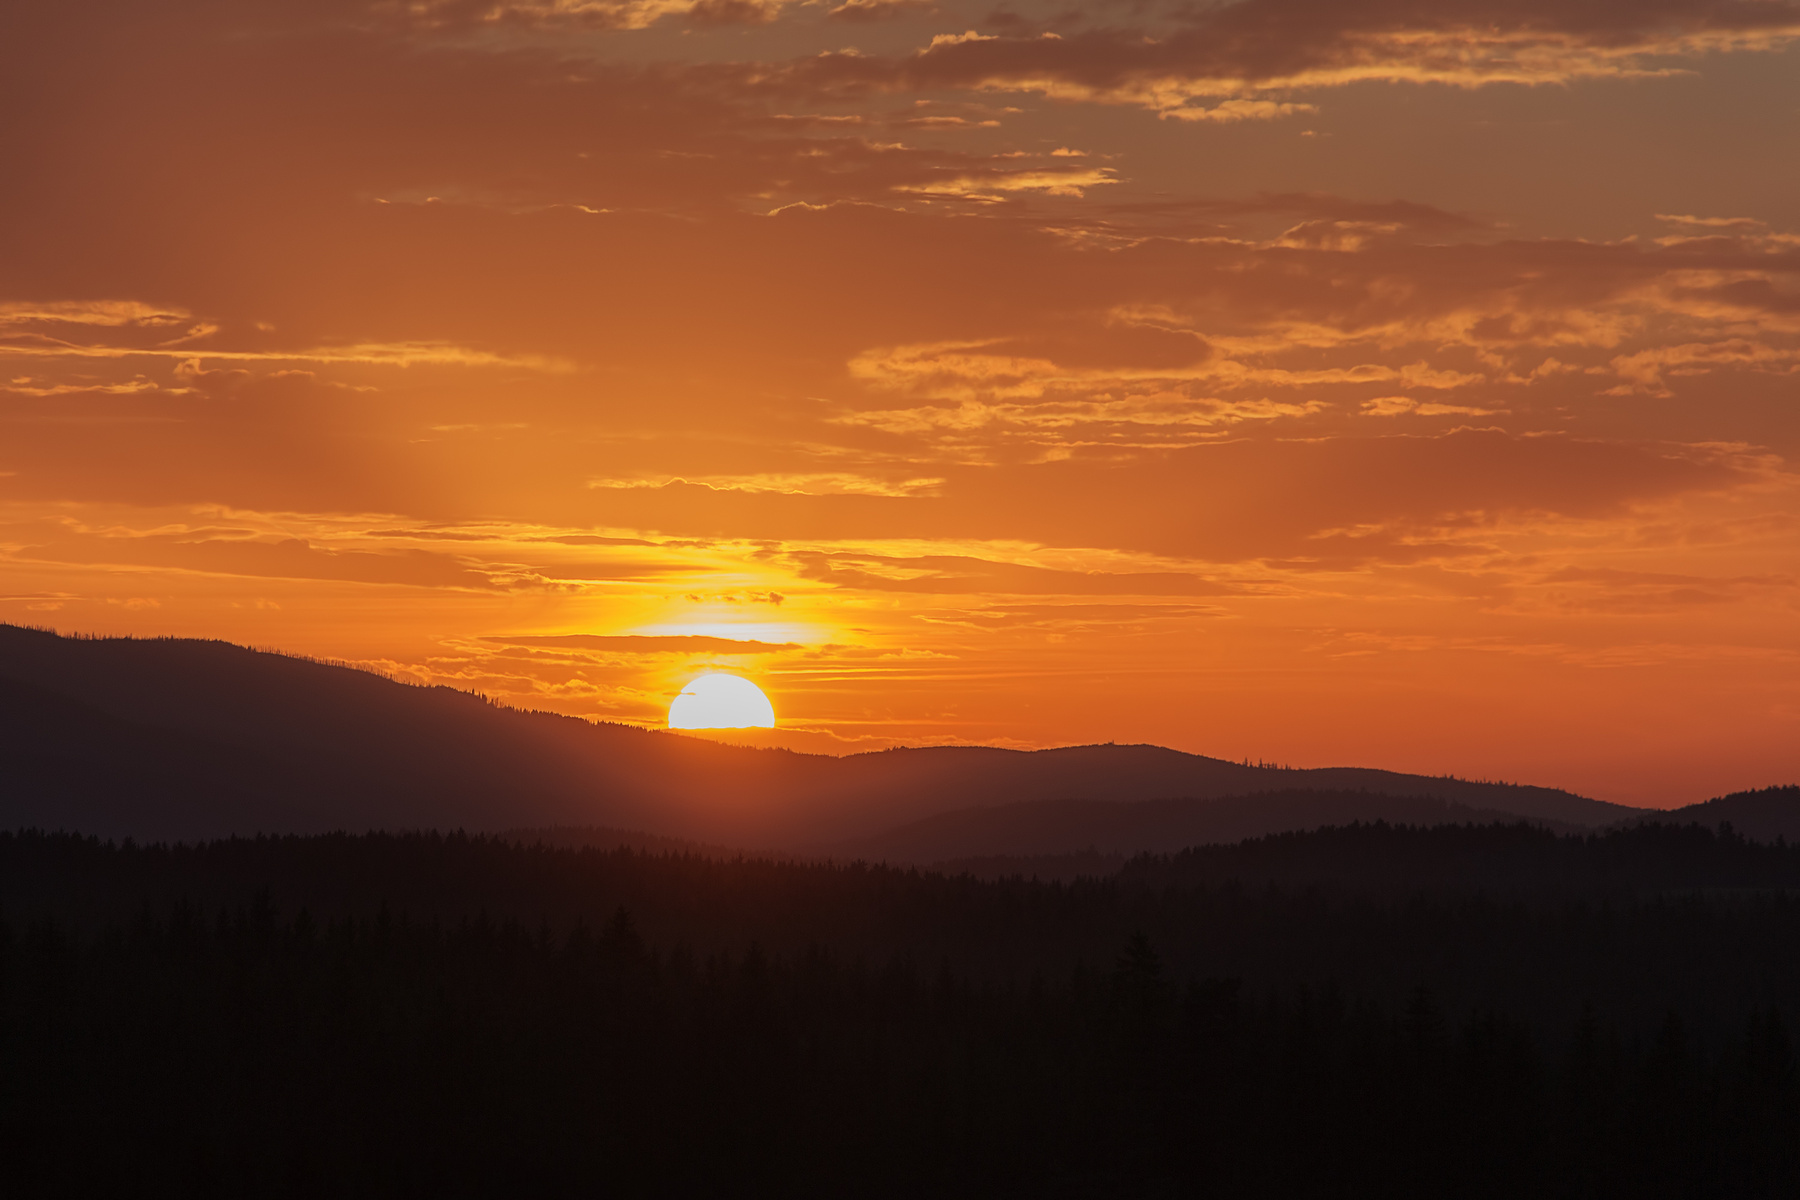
(1373,1011)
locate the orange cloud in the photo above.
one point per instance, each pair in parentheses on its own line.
(1206,60)
(879,10)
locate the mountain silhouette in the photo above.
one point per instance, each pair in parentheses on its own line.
(1763,814)
(187,738)
(1050,828)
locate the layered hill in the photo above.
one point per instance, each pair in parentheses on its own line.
(186,738)
(1052,828)
(1763,814)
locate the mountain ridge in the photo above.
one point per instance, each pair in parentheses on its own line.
(1762,814)
(1051,828)
(273,742)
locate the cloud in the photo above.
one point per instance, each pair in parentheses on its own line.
(647,644)
(731,12)
(961,575)
(374,354)
(448,15)
(880,10)
(1247,50)
(1072,181)
(1393,406)
(1355,499)
(1712,224)
(1648,370)
(1345,501)
(288,558)
(809,484)
(1078,616)
(1227,112)
(1611,590)
(91,312)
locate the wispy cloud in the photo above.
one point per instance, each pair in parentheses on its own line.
(1253,53)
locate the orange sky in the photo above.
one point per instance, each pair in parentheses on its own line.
(1402,384)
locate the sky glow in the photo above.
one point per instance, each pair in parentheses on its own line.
(1413,386)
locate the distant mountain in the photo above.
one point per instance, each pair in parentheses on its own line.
(1068,839)
(1110,828)
(184,738)
(65,764)
(1764,814)
(987,776)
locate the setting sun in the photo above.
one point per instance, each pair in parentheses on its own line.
(721,701)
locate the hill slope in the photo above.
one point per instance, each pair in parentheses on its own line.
(1764,814)
(1066,827)
(173,737)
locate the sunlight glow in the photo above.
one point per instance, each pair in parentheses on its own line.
(720,701)
(738,631)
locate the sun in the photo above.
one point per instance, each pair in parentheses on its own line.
(720,701)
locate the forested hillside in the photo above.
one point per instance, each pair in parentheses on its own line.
(1764,813)
(1301,1016)
(1066,827)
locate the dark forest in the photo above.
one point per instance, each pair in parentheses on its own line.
(1337,1013)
